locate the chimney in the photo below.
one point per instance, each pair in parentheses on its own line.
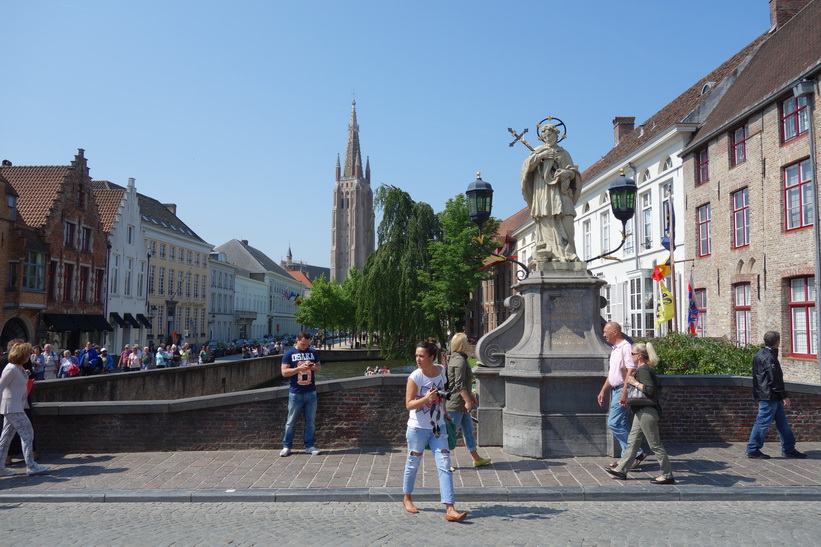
(171,207)
(782,11)
(622,126)
(244,242)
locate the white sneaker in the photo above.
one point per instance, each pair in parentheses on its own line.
(6,472)
(37,469)
(284,452)
(312,450)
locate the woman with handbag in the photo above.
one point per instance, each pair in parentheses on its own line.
(426,425)
(462,400)
(642,397)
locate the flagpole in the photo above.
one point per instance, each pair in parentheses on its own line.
(673,290)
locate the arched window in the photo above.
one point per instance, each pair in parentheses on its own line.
(668,164)
(646,176)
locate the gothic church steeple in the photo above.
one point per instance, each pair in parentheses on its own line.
(352,230)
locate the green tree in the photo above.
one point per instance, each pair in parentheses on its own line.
(388,302)
(454,271)
(321,309)
(349,292)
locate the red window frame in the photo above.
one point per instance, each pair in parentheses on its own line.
(742,308)
(701,302)
(69,235)
(738,145)
(798,196)
(802,306)
(702,166)
(68,282)
(794,115)
(85,273)
(703,231)
(740,203)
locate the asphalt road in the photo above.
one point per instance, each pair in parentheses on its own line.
(336,523)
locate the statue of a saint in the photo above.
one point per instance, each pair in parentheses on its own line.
(551,186)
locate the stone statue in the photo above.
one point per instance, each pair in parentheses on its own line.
(551,186)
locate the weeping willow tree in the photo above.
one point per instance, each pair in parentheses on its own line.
(389,300)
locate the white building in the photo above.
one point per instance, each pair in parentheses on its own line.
(250,305)
(221,301)
(126,303)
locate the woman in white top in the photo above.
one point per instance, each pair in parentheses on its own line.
(426,425)
(13,385)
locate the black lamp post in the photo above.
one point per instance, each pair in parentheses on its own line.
(623,205)
(480,202)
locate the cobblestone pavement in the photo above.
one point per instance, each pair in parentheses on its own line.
(329,523)
(721,465)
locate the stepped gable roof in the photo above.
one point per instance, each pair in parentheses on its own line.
(682,109)
(156,214)
(787,55)
(37,188)
(249,258)
(300,276)
(109,198)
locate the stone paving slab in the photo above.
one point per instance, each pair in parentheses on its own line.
(718,471)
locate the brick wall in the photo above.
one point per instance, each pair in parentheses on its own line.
(368,412)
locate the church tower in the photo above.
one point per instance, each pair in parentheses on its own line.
(352,230)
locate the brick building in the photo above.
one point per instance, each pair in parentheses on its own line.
(22,268)
(750,187)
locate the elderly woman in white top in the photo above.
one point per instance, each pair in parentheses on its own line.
(13,385)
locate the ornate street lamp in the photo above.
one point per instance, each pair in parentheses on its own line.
(623,205)
(480,202)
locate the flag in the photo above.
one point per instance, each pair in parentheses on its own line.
(502,253)
(661,270)
(664,307)
(668,240)
(692,309)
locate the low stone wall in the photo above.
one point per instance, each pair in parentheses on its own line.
(162,384)
(368,412)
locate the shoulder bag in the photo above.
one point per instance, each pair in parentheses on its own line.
(636,397)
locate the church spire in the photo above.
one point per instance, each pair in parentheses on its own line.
(352,154)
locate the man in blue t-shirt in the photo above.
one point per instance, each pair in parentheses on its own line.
(301,363)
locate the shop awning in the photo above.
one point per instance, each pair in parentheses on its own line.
(59,322)
(144,320)
(130,319)
(99,323)
(119,320)
(82,322)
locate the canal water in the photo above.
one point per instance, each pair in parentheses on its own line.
(352,369)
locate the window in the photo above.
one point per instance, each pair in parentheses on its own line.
(197,286)
(704,237)
(85,239)
(587,237)
(81,197)
(738,145)
(141,280)
(153,248)
(794,118)
(129,267)
(642,315)
(162,250)
(604,219)
(803,327)
(646,176)
(115,273)
(161,283)
(129,237)
(188,286)
(629,241)
(197,260)
(171,253)
(647,220)
(701,301)
(12,278)
(34,271)
(741,218)
(12,201)
(607,313)
(85,274)
(68,282)
(189,257)
(171,283)
(798,195)
(99,278)
(668,164)
(69,230)
(702,166)
(179,285)
(666,196)
(51,293)
(743,314)
(182,256)
(151,271)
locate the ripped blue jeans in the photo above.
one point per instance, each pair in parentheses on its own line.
(418,437)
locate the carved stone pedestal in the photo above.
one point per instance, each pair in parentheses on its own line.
(555,362)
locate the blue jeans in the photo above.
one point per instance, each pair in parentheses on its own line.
(767,412)
(296,403)
(463,420)
(418,437)
(617,420)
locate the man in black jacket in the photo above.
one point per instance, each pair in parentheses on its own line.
(768,390)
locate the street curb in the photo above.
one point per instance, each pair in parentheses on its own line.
(394,495)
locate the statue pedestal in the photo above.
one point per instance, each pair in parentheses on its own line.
(553,375)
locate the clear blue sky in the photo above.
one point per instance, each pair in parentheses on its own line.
(236,110)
